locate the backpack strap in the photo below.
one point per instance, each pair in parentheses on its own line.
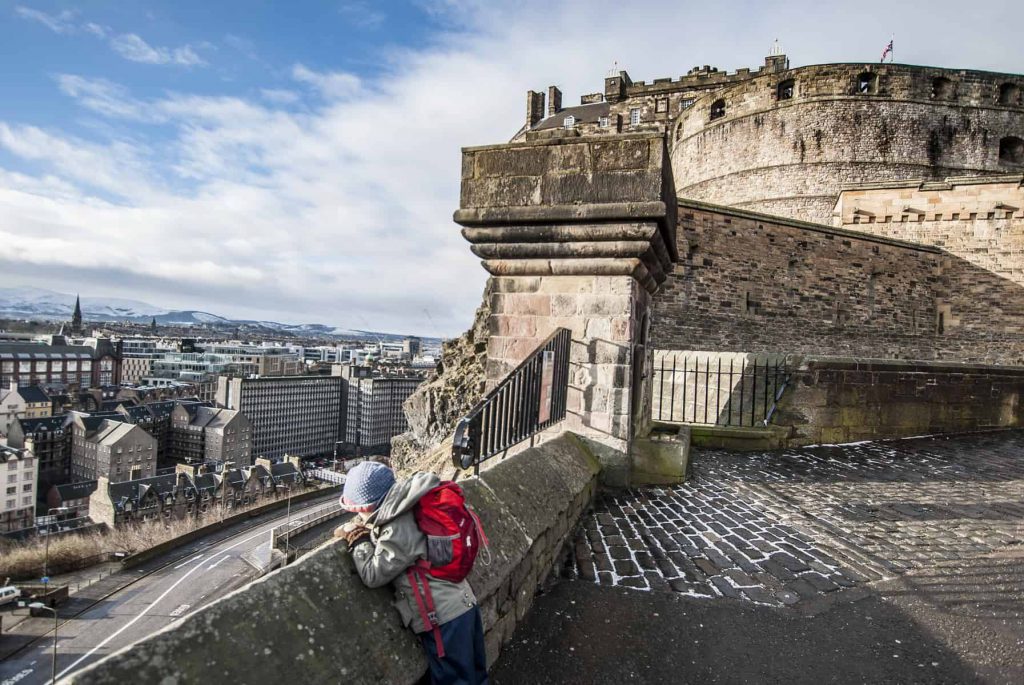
(483,535)
(425,603)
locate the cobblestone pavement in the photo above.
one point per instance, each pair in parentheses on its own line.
(781,527)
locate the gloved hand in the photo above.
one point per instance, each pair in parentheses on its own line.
(353,535)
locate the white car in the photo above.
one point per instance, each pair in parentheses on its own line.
(9,594)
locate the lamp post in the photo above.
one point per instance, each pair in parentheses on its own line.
(39,606)
(288,521)
(49,530)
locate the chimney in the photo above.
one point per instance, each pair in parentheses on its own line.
(554,101)
(534,108)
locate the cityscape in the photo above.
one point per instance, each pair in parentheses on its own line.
(325,360)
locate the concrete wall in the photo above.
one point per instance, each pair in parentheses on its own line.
(845,400)
(792,157)
(315,622)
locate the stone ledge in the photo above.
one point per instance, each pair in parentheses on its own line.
(315,622)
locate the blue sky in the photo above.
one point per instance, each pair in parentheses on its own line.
(299,161)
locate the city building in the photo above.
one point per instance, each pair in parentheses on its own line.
(18,502)
(201,434)
(107,447)
(58,365)
(299,415)
(28,402)
(49,441)
(373,408)
(190,491)
(71,496)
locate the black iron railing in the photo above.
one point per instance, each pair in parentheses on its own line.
(715,391)
(528,401)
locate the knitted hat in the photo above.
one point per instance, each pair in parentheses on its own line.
(366,485)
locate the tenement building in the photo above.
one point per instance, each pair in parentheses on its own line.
(110,448)
(212,435)
(18,502)
(295,415)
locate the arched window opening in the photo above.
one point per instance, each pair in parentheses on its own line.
(786,88)
(943,88)
(1009,94)
(867,83)
(717,109)
(1011,150)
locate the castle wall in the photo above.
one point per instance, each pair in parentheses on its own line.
(793,156)
(754,283)
(979,222)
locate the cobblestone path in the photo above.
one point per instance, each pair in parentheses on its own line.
(782,527)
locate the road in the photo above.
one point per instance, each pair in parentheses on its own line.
(184,581)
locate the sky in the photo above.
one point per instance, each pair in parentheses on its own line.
(299,161)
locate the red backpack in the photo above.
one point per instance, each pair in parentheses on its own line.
(454,537)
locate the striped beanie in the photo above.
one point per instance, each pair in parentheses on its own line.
(366,485)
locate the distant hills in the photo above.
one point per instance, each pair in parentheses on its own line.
(39,304)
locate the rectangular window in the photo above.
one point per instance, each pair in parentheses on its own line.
(686,103)
(27,487)
(40,367)
(604,122)
(26,500)
(57,366)
(661,105)
(24,367)
(72,365)
(13,490)
(7,367)
(634,116)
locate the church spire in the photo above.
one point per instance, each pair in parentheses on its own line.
(76,318)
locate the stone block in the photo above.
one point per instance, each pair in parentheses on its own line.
(576,285)
(512,161)
(509,542)
(618,155)
(604,305)
(529,304)
(338,631)
(516,191)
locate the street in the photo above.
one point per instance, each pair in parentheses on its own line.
(189,578)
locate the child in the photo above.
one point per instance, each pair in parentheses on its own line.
(385,542)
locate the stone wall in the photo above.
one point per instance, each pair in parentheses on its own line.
(979,221)
(792,156)
(756,283)
(846,400)
(314,621)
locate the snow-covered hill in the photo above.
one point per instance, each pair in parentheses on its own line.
(47,305)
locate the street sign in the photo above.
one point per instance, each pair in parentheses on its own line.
(45,580)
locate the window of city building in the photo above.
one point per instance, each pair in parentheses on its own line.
(7,367)
(569,122)
(57,366)
(717,109)
(13,490)
(604,122)
(11,503)
(24,367)
(72,365)
(86,365)
(40,367)
(686,103)
(785,89)
(1009,94)
(1011,150)
(943,88)
(634,116)
(661,105)
(867,83)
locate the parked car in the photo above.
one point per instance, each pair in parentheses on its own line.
(9,594)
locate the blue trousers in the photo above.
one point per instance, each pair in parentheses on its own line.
(465,660)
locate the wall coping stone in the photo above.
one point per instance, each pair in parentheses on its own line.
(909,366)
(804,225)
(315,622)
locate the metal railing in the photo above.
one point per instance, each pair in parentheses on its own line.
(711,390)
(529,400)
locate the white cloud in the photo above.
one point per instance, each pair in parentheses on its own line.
(96,29)
(279,96)
(339,210)
(58,23)
(133,47)
(333,84)
(360,13)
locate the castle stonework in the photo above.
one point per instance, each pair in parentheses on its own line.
(576,233)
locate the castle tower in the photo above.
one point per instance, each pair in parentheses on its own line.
(76,318)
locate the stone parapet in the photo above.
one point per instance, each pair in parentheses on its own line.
(315,622)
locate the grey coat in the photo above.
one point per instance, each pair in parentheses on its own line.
(395,544)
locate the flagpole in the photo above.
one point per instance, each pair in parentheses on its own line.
(892,52)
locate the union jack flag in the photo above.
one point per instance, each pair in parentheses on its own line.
(887,51)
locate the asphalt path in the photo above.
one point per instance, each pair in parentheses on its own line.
(181,582)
